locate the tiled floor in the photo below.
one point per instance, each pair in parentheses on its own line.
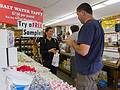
(68,79)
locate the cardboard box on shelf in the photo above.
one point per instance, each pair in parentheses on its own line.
(3,58)
(2,80)
(6,38)
(18,80)
(12,52)
(8,57)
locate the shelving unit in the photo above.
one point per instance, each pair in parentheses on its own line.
(18,43)
(64,70)
(112,61)
(112,39)
(28,46)
(24,45)
(64,57)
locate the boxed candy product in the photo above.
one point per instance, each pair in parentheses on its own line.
(18,80)
(8,57)
(3,85)
(6,38)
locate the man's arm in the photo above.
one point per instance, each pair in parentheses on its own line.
(82,49)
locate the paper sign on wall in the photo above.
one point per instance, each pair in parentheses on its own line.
(30,28)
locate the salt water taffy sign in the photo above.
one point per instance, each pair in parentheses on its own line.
(11,11)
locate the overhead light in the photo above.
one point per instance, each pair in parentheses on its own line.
(109,2)
(61,19)
(98,6)
(104,4)
(94,7)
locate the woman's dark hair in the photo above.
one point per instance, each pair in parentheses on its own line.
(86,7)
(74,28)
(46,30)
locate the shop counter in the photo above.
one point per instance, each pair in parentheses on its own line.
(32,76)
(43,74)
(65,65)
(112,66)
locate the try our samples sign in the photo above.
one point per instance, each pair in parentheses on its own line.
(30,28)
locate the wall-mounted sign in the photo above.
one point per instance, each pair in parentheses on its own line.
(107,24)
(110,21)
(30,28)
(11,11)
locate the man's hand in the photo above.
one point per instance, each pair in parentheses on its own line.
(69,42)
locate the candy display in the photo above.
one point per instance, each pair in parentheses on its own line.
(48,81)
(43,78)
(61,86)
(39,83)
(22,57)
(30,62)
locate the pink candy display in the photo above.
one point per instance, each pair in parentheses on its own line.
(61,86)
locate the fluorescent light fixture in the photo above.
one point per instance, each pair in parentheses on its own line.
(104,4)
(61,19)
(109,2)
(94,7)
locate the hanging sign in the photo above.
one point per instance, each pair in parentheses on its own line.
(107,24)
(11,11)
(30,28)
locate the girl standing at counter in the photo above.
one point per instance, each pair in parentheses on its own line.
(48,47)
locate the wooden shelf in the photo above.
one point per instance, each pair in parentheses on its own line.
(26,48)
(109,62)
(111,33)
(67,54)
(25,45)
(111,46)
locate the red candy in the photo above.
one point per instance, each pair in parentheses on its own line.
(26,68)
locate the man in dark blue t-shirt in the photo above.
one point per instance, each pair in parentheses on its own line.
(89,49)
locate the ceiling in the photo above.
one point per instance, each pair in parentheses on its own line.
(57,8)
(98,14)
